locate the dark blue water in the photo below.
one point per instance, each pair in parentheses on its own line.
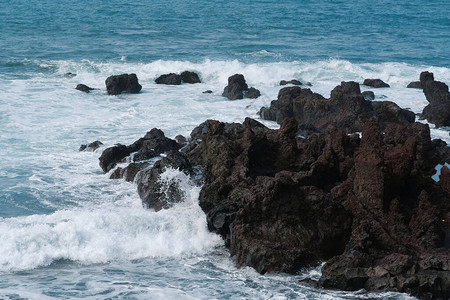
(416,32)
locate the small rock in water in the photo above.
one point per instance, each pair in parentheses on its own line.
(414,85)
(83,88)
(293,81)
(376,83)
(70,75)
(124,83)
(190,77)
(208,92)
(252,93)
(169,79)
(91,147)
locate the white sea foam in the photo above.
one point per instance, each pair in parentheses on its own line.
(107,233)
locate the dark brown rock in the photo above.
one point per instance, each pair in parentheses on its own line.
(414,85)
(293,82)
(91,146)
(83,88)
(376,83)
(190,77)
(346,109)
(438,96)
(125,83)
(112,155)
(252,93)
(169,79)
(236,87)
(368,95)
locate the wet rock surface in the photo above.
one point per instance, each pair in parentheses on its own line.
(91,146)
(237,88)
(366,206)
(438,96)
(124,83)
(83,88)
(376,83)
(177,79)
(346,108)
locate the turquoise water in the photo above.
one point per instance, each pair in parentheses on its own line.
(414,32)
(67,231)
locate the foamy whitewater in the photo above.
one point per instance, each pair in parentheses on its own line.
(67,231)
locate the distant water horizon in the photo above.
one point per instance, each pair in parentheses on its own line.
(70,232)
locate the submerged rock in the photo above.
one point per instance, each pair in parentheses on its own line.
(124,83)
(84,88)
(91,146)
(293,81)
(414,85)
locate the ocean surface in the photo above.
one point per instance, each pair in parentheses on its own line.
(69,232)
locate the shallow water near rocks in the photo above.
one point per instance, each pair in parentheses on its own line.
(67,231)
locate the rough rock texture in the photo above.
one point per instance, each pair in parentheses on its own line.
(368,95)
(125,83)
(151,145)
(293,81)
(346,108)
(91,146)
(190,77)
(237,88)
(158,194)
(368,206)
(169,79)
(376,83)
(83,88)
(437,94)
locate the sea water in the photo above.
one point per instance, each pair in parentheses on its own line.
(66,230)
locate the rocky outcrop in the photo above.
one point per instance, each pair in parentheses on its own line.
(177,79)
(83,88)
(346,108)
(366,206)
(438,96)
(376,83)
(125,83)
(237,88)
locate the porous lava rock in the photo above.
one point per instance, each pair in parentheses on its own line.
(237,88)
(438,96)
(346,108)
(366,206)
(124,83)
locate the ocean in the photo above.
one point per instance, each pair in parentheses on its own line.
(67,231)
